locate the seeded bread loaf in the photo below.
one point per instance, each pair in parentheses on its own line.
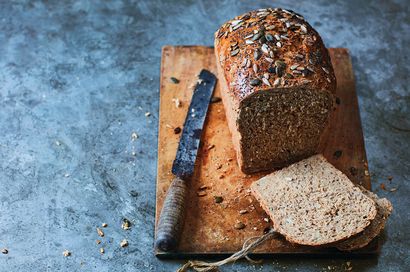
(313,203)
(384,209)
(277,83)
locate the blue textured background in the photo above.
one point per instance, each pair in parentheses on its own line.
(76,78)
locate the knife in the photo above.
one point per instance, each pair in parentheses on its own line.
(171,219)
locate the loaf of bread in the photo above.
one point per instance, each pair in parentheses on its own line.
(313,203)
(277,87)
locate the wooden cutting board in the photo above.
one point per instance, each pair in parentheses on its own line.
(209,226)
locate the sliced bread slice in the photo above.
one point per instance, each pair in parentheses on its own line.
(313,203)
(384,209)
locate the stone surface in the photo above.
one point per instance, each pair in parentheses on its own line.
(76,79)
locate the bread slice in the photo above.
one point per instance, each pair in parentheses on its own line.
(384,209)
(313,203)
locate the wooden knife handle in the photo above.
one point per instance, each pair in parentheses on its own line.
(172,216)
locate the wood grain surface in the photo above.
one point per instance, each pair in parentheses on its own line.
(209,226)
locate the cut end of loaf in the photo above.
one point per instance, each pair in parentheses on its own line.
(313,203)
(281,126)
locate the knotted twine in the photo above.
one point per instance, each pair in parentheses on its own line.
(248,246)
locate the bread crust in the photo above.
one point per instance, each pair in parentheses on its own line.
(270,50)
(384,209)
(306,43)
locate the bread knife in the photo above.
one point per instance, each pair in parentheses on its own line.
(171,219)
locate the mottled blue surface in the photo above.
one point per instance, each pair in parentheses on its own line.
(76,79)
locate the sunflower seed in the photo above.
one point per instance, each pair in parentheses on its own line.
(284,37)
(124,243)
(294,66)
(66,253)
(310,69)
(311,61)
(300,56)
(278,44)
(236,22)
(277,37)
(201,193)
(256,54)
(326,70)
(303,29)
(265,81)
(263,13)
(245,17)
(100,232)
(296,72)
(270,27)
(287,11)
(265,48)
(269,59)
(255,82)
(257,36)
(234,52)
(271,54)
(243,211)
(126,224)
(248,36)
(287,24)
(277,82)
(249,42)
(269,37)
(245,61)
(306,81)
(328,80)
(237,26)
(234,44)
(248,63)
(300,68)
(255,68)
(266,75)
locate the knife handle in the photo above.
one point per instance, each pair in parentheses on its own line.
(171,219)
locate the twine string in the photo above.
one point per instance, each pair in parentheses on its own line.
(248,246)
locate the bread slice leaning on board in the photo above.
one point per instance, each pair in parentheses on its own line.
(277,85)
(313,203)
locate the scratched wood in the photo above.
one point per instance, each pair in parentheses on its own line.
(209,227)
